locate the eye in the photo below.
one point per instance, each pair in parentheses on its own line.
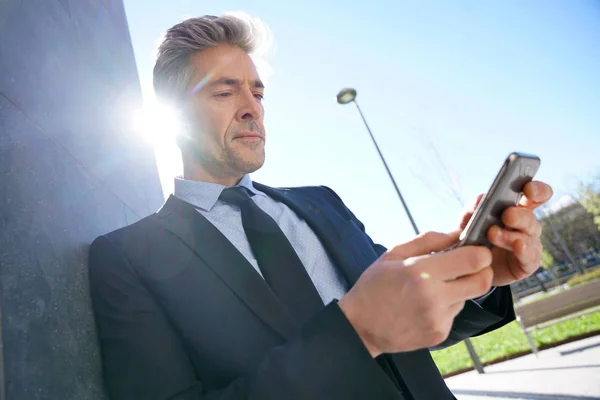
(259,96)
(223,95)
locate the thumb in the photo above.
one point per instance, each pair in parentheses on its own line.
(426,243)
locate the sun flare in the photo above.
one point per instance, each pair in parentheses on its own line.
(159,124)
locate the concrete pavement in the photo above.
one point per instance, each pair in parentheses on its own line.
(567,372)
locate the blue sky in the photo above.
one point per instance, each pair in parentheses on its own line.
(476,79)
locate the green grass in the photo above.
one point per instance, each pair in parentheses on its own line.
(510,340)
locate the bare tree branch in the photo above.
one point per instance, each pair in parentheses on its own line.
(435,174)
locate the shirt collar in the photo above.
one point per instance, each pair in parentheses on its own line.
(204,195)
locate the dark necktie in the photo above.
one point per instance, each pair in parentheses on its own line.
(278,262)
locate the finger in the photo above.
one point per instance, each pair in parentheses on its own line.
(535,193)
(505,238)
(469,286)
(425,243)
(451,264)
(528,253)
(523,220)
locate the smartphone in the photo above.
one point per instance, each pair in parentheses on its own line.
(506,191)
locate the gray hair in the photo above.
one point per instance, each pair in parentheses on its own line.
(172,71)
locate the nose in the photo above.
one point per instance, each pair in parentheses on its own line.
(250,108)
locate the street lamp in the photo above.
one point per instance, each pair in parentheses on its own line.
(348,95)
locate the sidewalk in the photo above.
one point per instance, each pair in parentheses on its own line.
(567,372)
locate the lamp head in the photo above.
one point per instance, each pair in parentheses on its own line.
(346,95)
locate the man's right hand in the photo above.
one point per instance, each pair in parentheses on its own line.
(408,298)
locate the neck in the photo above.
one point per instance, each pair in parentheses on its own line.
(201,174)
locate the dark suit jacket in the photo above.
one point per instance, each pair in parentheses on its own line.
(181,314)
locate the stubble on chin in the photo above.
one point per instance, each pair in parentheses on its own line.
(247,159)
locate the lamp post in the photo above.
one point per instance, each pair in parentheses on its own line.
(348,95)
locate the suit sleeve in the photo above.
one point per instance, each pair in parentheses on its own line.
(476,318)
(144,359)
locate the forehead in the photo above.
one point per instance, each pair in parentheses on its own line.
(223,60)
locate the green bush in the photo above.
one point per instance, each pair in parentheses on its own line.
(584,278)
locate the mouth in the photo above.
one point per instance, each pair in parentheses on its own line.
(249,136)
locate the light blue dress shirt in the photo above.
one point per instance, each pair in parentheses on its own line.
(227,218)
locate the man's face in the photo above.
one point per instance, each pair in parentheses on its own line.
(226,112)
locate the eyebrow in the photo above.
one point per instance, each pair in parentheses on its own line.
(236,82)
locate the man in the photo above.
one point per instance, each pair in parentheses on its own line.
(236,290)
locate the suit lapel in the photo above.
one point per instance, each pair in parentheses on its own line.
(320,218)
(209,244)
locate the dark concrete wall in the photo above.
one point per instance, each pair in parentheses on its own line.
(71,168)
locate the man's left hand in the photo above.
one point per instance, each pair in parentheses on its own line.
(517,247)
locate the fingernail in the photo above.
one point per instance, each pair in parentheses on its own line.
(534,190)
(523,246)
(498,233)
